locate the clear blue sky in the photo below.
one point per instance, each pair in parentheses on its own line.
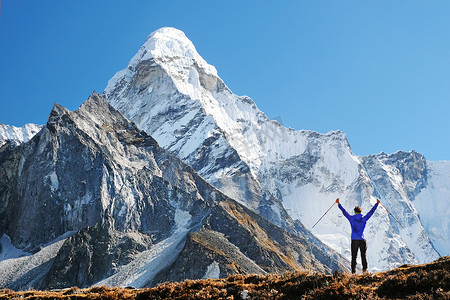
(377,70)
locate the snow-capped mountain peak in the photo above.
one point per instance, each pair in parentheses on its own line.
(233,145)
(170,49)
(169,43)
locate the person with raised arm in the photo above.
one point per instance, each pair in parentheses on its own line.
(358,223)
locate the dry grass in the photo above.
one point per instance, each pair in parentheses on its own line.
(428,281)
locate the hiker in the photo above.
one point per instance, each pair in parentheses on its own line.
(358,223)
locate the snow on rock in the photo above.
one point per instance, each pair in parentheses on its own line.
(213,271)
(170,48)
(148,263)
(397,179)
(170,92)
(433,206)
(132,204)
(18,135)
(20,270)
(52,179)
(8,251)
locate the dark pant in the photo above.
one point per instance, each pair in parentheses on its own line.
(361,245)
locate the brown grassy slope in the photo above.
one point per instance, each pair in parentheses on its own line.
(428,281)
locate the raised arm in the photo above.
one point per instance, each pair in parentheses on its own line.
(346,214)
(370,213)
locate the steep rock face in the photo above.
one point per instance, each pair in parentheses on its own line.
(18,135)
(92,166)
(422,189)
(93,253)
(158,105)
(174,95)
(268,245)
(433,205)
(207,254)
(91,199)
(114,163)
(235,240)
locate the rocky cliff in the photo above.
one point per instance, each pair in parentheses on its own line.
(92,199)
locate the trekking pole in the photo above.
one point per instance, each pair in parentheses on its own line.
(391,215)
(323,215)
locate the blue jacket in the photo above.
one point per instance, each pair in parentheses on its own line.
(358,222)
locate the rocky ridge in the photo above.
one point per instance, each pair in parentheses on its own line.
(92,199)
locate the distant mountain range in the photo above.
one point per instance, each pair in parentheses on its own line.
(195,181)
(18,135)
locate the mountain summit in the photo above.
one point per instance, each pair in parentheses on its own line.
(169,44)
(281,173)
(175,53)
